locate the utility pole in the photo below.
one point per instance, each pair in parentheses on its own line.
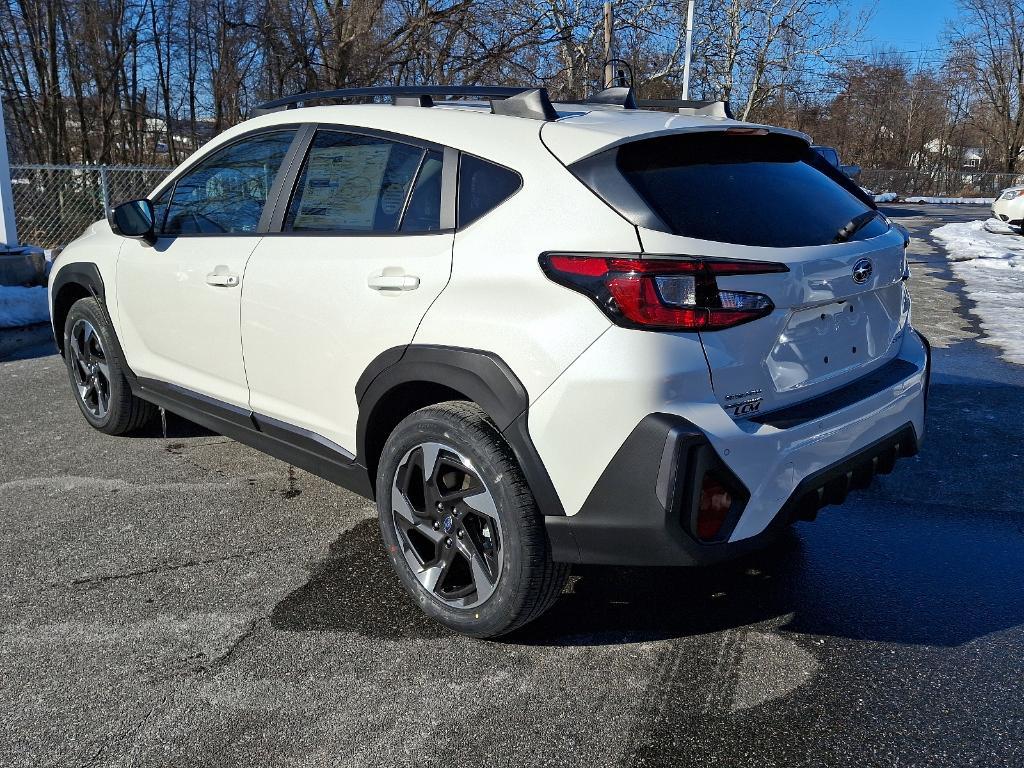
(609,28)
(686,54)
(8,230)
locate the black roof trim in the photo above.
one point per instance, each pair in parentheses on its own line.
(533,104)
(620,96)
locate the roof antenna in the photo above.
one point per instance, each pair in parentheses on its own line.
(616,71)
(620,90)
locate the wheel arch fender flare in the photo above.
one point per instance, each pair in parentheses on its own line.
(76,278)
(480,376)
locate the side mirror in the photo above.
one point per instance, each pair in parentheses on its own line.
(134,219)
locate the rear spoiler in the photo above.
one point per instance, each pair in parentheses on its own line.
(719,109)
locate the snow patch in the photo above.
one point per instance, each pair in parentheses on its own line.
(883,197)
(989,257)
(23,306)
(951,200)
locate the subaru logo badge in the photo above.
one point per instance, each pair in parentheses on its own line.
(862,271)
(448,523)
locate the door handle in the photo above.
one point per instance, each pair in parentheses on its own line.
(221,278)
(383,282)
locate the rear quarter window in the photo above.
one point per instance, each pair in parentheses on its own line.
(483,186)
(742,189)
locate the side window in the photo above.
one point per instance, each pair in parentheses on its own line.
(226,192)
(423,213)
(482,187)
(350,182)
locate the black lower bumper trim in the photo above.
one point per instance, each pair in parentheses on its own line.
(636,514)
(889,374)
(641,510)
(831,484)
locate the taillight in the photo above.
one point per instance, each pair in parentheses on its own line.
(662,294)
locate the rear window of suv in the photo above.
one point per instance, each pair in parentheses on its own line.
(743,189)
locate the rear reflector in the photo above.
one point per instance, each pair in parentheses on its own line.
(662,294)
(715,503)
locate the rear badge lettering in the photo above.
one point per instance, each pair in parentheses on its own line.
(746,408)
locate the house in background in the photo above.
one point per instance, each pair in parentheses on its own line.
(956,158)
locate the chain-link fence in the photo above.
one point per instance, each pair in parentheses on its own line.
(938,183)
(53,204)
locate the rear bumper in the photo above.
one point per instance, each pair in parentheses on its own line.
(642,509)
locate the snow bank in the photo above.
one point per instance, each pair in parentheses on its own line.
(884,197)
(23,306)
(989,258)
(892,197)
(951,200)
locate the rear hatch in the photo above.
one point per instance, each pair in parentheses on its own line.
(826,331)
(839,301)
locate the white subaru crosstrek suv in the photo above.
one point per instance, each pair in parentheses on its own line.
(535,334)
(1009,206)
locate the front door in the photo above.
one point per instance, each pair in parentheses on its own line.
(179,300)
(364,249)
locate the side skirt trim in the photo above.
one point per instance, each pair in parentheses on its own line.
(299,447)
(311,440)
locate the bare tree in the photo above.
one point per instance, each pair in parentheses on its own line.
(149,80)
(748,49)
(990,46)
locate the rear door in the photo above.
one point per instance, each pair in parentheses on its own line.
(841,307)
(363,246)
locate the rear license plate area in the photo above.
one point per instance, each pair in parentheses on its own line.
(826,341)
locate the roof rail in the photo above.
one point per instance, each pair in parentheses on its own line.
(520,102)
(720,109)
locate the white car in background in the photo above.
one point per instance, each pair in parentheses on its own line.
(535,334)
(1009,206)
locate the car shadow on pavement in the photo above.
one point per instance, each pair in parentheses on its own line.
(927,556)
(354,589)
(173,426)
(26,342)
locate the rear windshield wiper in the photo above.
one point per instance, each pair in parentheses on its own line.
(855,225)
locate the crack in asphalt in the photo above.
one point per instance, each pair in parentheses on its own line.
(228,655)
(170,567)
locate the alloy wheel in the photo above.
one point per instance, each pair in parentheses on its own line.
(447,525)
(90,369)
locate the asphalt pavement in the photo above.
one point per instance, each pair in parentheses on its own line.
(186,601)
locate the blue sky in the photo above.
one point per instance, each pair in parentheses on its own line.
(909,24)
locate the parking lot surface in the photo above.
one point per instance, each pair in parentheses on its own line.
(185,601)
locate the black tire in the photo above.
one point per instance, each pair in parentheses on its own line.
(527,582)
(124,412)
